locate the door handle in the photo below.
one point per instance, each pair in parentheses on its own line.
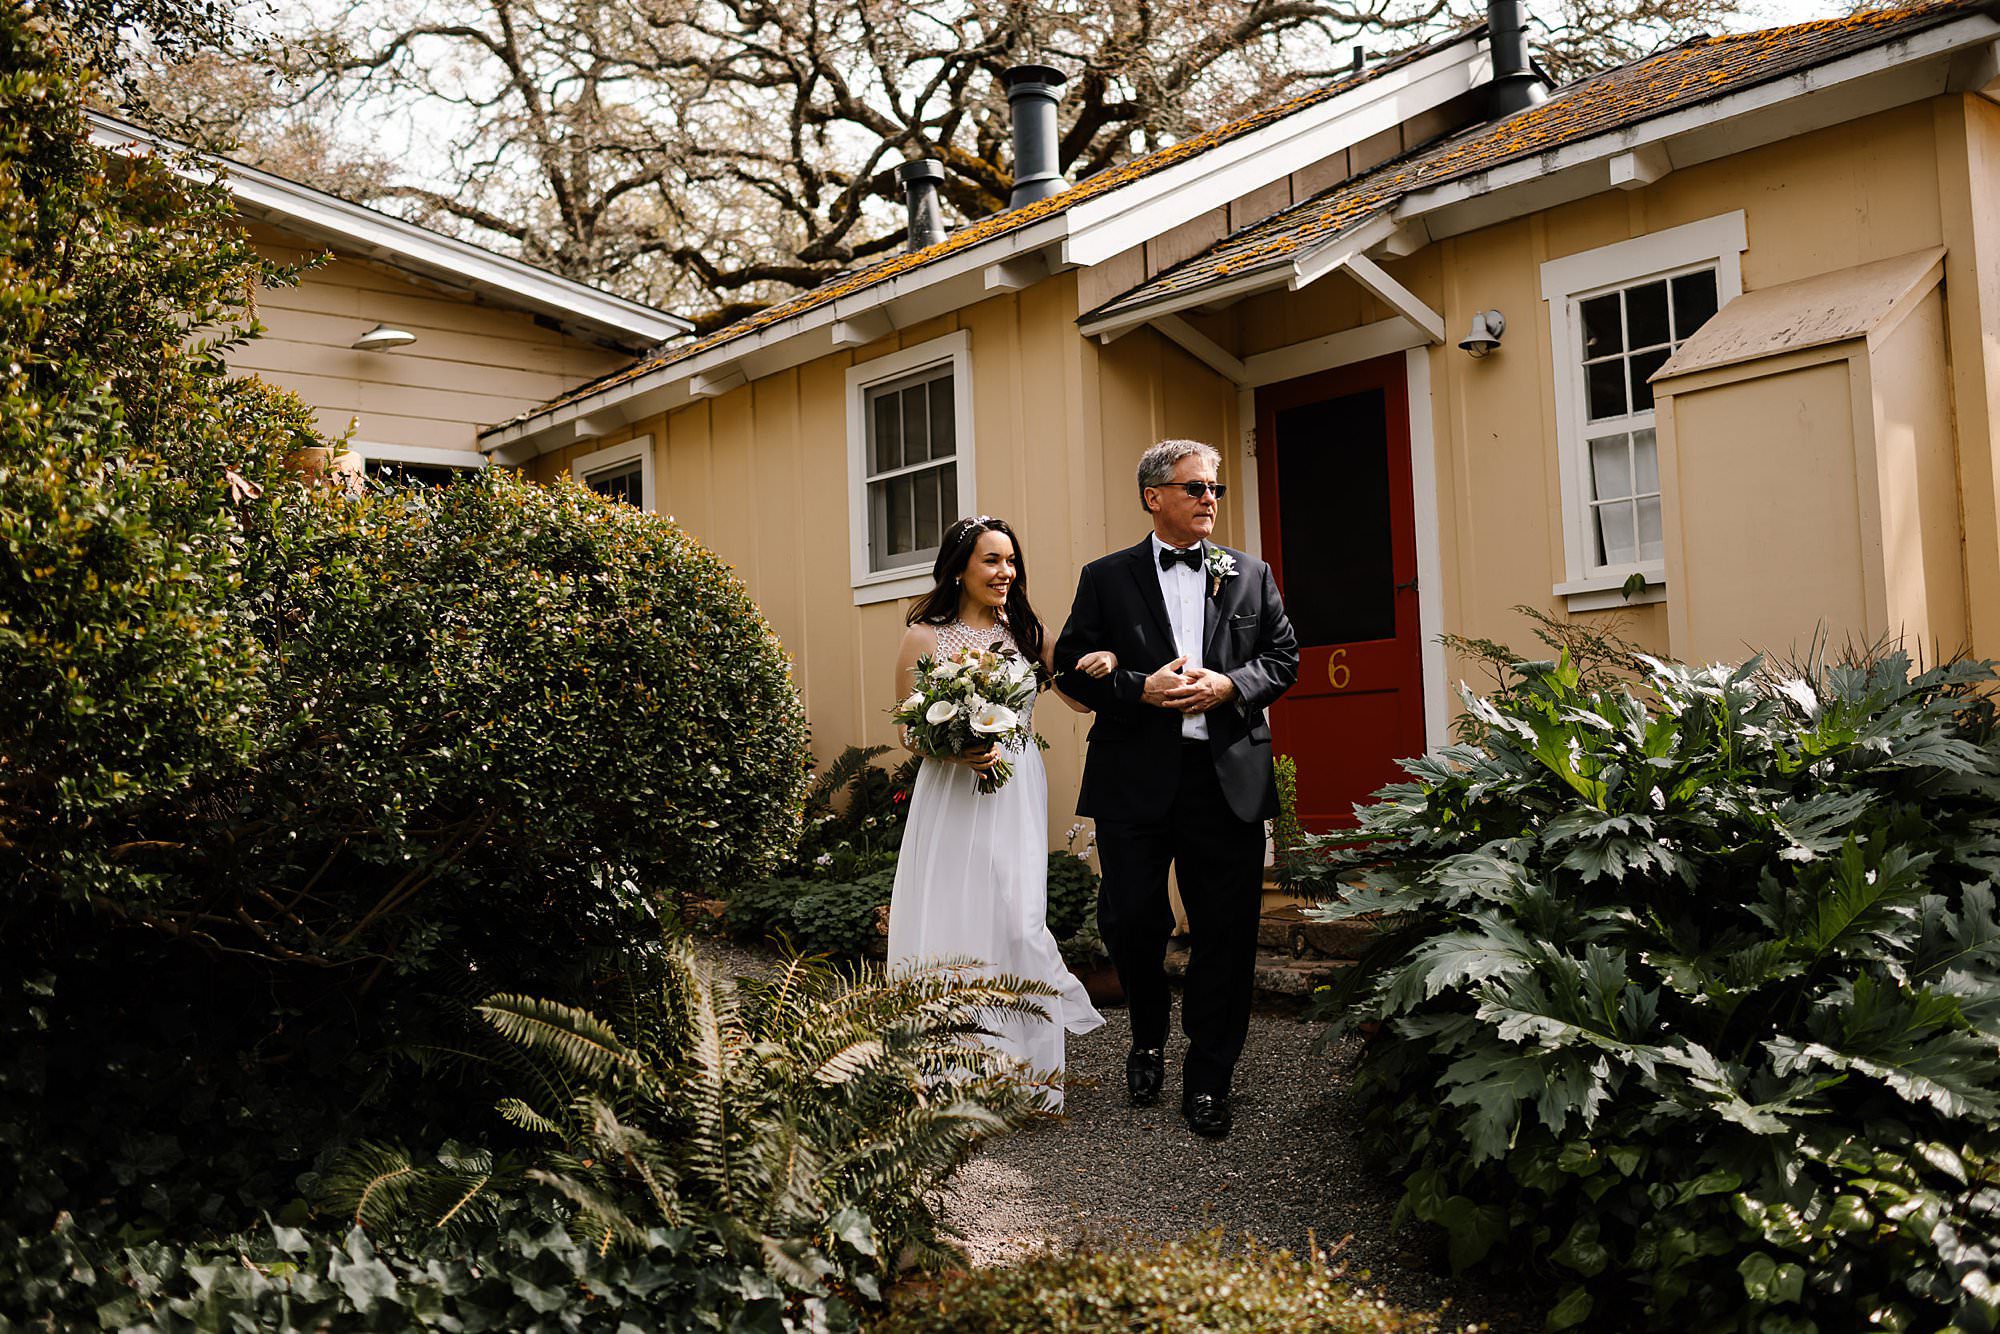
(1409,585)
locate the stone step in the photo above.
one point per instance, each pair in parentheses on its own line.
(1288,929)
(1278,976)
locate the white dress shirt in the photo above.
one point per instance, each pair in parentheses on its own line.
(1186,592)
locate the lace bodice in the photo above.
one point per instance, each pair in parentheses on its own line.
(957,635)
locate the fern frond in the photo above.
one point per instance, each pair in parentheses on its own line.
(371,1184)
(576,1039)
(518,1113)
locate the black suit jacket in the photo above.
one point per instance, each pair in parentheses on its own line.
(1134,760)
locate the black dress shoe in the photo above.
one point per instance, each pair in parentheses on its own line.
(1145,1071)
(1207,1114)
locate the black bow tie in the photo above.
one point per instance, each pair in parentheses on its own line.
(1190,558)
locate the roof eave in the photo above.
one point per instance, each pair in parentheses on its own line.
(432,255)
(957,280)
(1963,53)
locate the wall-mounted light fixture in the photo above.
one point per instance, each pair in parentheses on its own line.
(1487,326)
(381,338)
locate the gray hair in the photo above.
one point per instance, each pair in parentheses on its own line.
(1156,465)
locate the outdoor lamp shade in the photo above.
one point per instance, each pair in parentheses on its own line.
(381,338)
(1487,326)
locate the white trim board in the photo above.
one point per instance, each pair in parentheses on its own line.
(432,255)
(956,349)
(1895,73)
(370,450)
(1119,219)
(1430,549)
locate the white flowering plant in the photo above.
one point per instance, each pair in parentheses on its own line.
(970,699)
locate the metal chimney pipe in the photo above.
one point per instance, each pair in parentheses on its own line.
(1032,91)
(1516,86)
(920,181)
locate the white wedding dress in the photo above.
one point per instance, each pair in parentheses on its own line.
(972,882)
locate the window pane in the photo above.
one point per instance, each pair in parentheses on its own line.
(916,425)
(1605,385)
(1643,365)
(1338,549)
(901,532)
(929,530)
(1610,468)
(888,431)
(1601,331)
(1646,463)
(1615,545)
(619,483)
(1650,545)
(948,492)
(944,424)
(1646,314)
(1694,302)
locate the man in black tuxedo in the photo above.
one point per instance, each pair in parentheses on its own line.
(1179,769)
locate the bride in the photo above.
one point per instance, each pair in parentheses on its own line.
(972,877)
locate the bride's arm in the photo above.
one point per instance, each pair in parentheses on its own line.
(917,641)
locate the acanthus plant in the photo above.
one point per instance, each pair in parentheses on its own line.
(1688,992)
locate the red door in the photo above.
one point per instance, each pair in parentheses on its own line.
(1333,476)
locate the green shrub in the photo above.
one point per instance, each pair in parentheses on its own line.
(1197,1284)
(1072,901)
(522,1272)
(1694,1007)
(289,777)
(797,1124)
(854,817)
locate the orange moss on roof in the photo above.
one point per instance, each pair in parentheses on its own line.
(999,224)
(1683,76)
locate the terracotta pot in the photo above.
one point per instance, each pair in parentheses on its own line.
(1101,984)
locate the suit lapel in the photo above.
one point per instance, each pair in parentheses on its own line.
(1211,608)
(1146,575)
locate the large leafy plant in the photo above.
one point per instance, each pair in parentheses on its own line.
(1691,997)
(796,1124)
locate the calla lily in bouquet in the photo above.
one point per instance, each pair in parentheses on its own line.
(969,699)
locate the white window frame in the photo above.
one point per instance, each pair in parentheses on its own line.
(372,451)
(954,349)
(1566,284)
(611,456)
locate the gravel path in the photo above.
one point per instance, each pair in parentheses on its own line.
(1288,1171)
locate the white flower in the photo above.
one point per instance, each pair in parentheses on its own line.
(994,719)
(1221,564)
(947,669)
(824,859)
(916,698)
(941,712)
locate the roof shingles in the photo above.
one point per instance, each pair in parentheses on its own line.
(1000,224)
(1682,76)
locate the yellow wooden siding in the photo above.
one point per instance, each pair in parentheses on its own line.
(472,364)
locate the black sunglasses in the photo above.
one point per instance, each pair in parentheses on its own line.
(1195,489)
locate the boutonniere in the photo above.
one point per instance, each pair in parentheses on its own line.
(1221,566)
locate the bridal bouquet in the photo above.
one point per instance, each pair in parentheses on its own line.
(969,699)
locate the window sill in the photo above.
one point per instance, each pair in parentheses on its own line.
(1606,592)
(893,584)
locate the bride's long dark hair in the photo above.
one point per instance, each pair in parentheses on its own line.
(940,605)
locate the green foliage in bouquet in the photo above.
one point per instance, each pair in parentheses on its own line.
(1692,1004)
(797,1124)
